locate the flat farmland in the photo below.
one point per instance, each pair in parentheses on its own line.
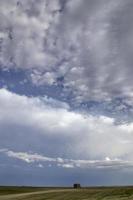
(95,193)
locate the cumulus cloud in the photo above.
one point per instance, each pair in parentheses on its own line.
(31,124)
(24,29)
(86,43)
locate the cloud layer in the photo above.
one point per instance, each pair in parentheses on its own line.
(86,46)
(37,125)
(41,160)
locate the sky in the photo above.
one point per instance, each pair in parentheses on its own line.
(66,92)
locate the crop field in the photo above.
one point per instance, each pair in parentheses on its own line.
(97,193)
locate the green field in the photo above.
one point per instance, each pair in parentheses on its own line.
(98,193)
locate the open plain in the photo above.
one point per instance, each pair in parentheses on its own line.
(90,193)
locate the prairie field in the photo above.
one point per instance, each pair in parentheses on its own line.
(89,193)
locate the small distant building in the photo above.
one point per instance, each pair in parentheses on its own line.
(76,185)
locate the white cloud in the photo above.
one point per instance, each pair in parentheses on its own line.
(68,163)
(40,166)
(29,158)
(27,120)
(86,42)
(24,27)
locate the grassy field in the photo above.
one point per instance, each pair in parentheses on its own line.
(5,190)
(101,193)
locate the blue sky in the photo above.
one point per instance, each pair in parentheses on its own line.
(66,92)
